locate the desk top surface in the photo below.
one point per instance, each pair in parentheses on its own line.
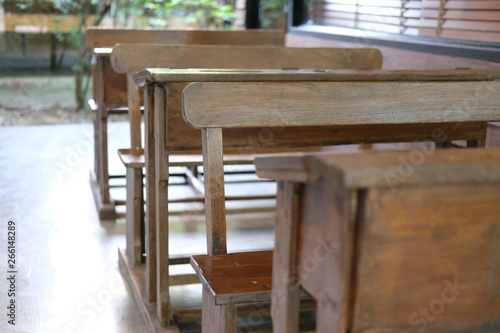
(164,75)
(385,168)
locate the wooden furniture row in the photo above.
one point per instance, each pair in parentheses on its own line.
(235,97)
(375,98)
(127,58)
(324,107)
(163,93)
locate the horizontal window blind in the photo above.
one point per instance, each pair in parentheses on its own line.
(473,20)
(401,17)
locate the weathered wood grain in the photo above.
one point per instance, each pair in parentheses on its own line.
(422,256)
(316,74)
(131,58)
(105,36)
(215,210)
(347,103)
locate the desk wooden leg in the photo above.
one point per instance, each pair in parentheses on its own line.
(285,293)
(161,185)
(217,318)
(97,149)
(325,321)
(150,221)
(134,215)
(104,172)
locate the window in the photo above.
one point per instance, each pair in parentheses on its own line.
(472,25)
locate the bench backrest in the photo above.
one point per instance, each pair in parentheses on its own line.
(101,39)
(115,90)
(264,105)
(105,36)
(130,58)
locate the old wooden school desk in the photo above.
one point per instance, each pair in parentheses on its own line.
(231,279)
(130,58)
(383,249)
(111,89)
(165,126)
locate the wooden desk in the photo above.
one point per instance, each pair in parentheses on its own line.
(167,133)
(385,246)
(130,58)
(110,87)
(110,96)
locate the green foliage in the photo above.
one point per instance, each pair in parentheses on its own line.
(194,10)
(158,11)
(271,10)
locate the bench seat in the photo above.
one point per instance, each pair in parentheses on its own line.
(131,160)
(236,278)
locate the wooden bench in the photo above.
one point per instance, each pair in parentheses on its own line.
(385,249)
(163,106)
(110,87)
(383,101)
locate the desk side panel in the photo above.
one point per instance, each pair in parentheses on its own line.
(429,260)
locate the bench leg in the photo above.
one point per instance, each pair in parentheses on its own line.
(217,318)
(134,216)
(285,293)
(161,197)
(150,220)
(97,150)
(324,321)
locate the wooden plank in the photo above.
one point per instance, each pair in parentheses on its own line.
(131,160)
(237,259)
(451,243)
(150,220)
(270,139)
(387,168)
(130,58)
(134,112)
(330,75)
(138,160)
(285,289)
(326,247)
(101,162)
(134,215)
(409,168)
(215,210)
(237,277)
(217,319)
(161,197)
(287,104)
(114,93)
(196,185)
(104,36)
